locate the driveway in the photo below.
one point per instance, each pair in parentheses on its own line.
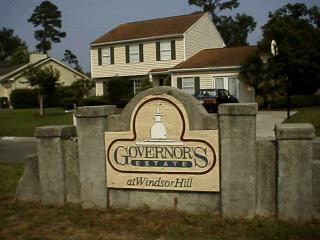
(266,121)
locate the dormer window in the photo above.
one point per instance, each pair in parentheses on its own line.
(105,56)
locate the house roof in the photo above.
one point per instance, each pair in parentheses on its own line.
(5,68)
(218,57)
(16,71)
(176,25)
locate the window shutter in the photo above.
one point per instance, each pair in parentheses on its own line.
(196,84)
(173,50)
(158,51)
(179,82)
(111,55)
(141,52)
(127,54)
(99,57)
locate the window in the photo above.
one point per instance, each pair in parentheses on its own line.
(233,86)
(188,85)
(219,82)
(106,56)
(230,83)
(165,50)
(137,85)
(134,53)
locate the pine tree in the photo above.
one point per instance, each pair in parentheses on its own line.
(48,17)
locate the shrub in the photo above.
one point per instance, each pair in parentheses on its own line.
(24,98)
(119,88)
(297,101)
(54,100)
(94,101)
(67,101)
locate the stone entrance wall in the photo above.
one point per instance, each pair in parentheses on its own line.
(258,177)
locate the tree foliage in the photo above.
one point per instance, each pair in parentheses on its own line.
(295,28)
(45,80)
(48,17)
(72,60)
(81,88)
(234,30)
(12,48)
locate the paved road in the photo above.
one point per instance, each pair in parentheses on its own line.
(14,149)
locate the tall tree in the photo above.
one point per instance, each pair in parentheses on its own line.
(297,33)
(48,17)
(72,60)
(295,28)
(12,48)
(46,80)
(233,30)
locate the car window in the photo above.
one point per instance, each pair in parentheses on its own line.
(224,93)
(213,93)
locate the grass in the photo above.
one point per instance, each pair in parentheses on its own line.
(22,122)
(22,220)
(307,115)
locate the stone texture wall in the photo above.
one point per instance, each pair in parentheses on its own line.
(259,177)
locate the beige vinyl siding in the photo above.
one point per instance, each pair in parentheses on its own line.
(202,35)
(121,68)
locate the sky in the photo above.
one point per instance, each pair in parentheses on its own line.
(86,20)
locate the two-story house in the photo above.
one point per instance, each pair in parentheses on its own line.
(156,49)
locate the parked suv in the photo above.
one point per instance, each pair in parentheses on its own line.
(211,98)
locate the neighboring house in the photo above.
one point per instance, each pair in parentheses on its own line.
(13,77)
(159,48)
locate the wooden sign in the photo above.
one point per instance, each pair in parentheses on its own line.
(160,152)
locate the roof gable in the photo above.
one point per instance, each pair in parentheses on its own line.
(218,57)
(19,70)
(176,25)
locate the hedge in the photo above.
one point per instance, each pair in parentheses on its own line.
(296,101)
(24,98)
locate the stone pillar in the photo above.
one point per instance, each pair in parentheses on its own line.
(237,129)
(53,189)
(91,125)
(294,201)
(316,178)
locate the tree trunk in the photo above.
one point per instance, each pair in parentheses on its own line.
(41,105)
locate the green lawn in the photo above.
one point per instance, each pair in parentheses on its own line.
(22,122)
(307,115)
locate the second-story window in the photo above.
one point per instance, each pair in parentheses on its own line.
(166,50)
(106,56)
(134,53)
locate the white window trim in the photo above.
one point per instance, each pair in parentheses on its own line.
(136,53)
(105,56)
(168,50)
